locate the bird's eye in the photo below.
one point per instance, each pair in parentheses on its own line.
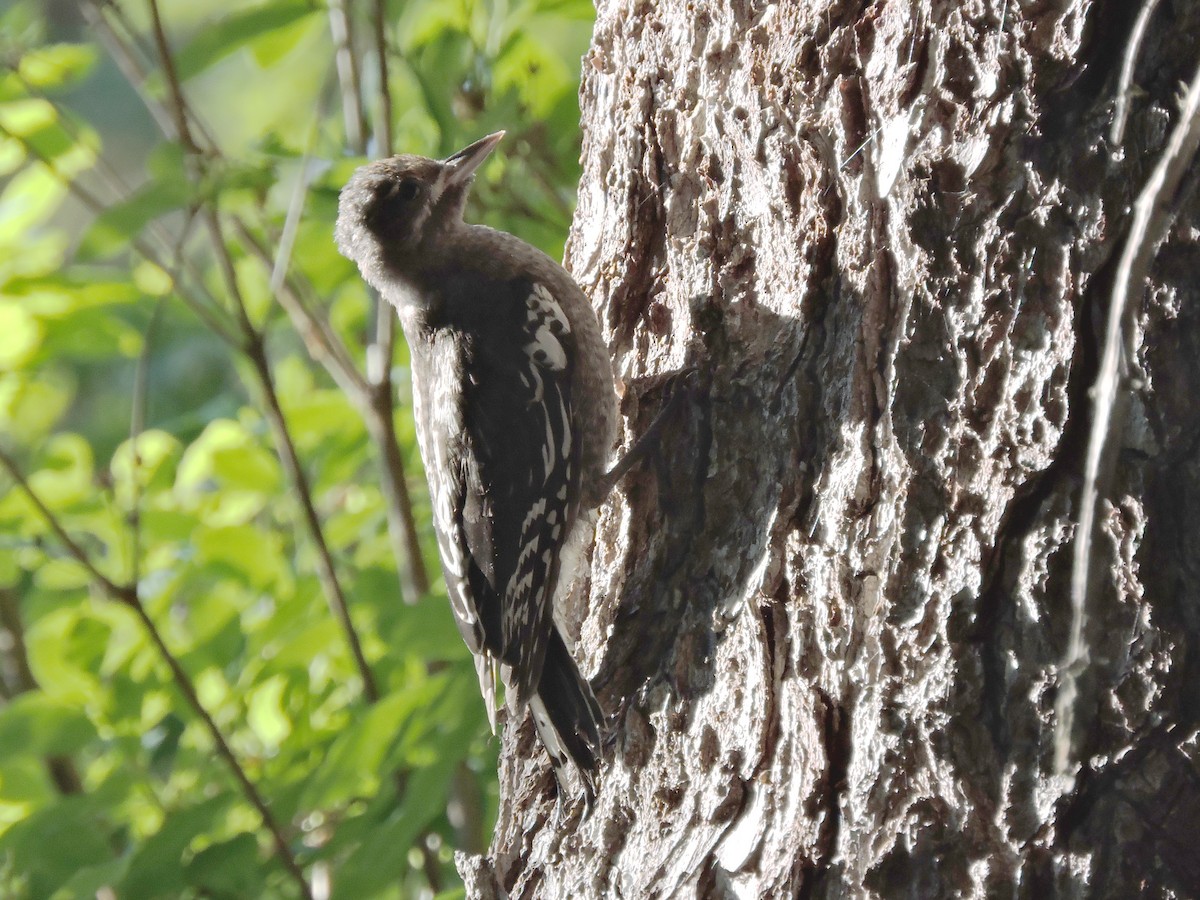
(406,190)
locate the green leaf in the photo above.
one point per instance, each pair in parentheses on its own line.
(352,764)
(72,828)
(157,867)
(374,864)
(56,65)
(162,743)
(227,868)
(36,725)
(30,406)
(56,642)
(30,197)
(228,452)
(90,882)
(243,548)
(218,40)
(66,473)
(119,224)
(27,116)
(20,335)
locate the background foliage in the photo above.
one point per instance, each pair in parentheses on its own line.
(227,668)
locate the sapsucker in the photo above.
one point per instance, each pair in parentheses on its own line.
(515,409)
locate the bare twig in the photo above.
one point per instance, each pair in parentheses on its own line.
(295,471)
(402,528)
(102,168)
(216,238)
(346,61)
(127,61)
(383,117)
(375,407)
(132,58)
(178,106)
(256,352)
(1153,213)
(291,222)
(322,342)
(75,550)
(137,424)
(1125,85)
(15,677)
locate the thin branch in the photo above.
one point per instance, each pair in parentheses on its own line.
(16,677)
(103,169)
(346,62)
(383,118)
(1153,213)
(178,106)
(374,404)
(288,455)
(122,592)
(402,527)
(380,354)
(184,683)
(254,350)
(137,424)
(131,67)
(295,471)
(132,59)
(216,238)
(1125,84)
(319,338)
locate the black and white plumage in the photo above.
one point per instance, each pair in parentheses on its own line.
(515,409)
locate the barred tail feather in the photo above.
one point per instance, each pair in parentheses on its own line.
(567,717)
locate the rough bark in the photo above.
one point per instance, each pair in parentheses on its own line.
(830,618)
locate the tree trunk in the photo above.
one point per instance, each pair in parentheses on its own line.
(832,619)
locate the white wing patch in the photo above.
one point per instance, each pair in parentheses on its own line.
(546,323)
(444,490)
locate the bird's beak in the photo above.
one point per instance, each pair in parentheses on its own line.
(462,165)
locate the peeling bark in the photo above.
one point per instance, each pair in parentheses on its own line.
(829,618)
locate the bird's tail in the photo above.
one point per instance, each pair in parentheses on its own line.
(567,717)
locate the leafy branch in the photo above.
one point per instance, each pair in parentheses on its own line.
(127,595)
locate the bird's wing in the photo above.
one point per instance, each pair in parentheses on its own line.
(522,473)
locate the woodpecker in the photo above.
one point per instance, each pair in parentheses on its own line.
(515,406)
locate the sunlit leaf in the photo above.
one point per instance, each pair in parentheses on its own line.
(243,548)
(20,335)
(29,198)
(56,65)
(30,406)
(34,724)
(235,30)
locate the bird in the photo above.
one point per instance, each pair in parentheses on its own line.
(515,403)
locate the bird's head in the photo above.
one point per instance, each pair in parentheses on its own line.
(393,209)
